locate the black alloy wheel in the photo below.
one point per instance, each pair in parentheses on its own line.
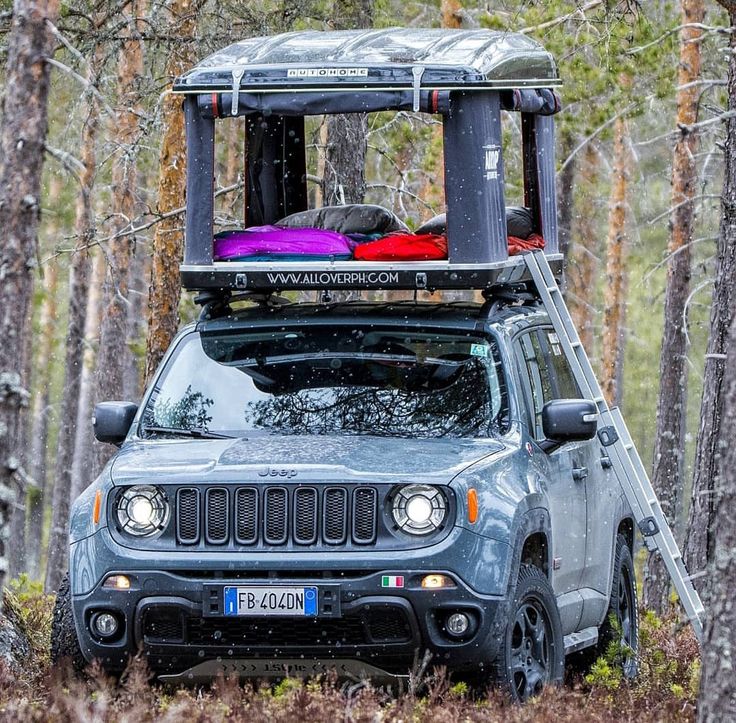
(532,655)
(530,664)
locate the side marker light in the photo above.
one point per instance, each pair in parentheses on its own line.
(472,506)
(97,507)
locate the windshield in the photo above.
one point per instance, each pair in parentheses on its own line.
(331,380)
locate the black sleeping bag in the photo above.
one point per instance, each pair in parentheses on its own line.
(519,223)
(354,218)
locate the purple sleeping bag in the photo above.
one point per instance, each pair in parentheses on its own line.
(274,242)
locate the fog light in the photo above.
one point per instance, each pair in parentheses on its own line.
(437,581)
(105,624)
(457,624)
(117,582)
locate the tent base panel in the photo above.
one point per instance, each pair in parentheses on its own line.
(264,276)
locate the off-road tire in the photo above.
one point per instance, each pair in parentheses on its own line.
(533,616)
(622,621)
(64,642)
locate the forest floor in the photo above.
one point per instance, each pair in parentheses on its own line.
(665,689)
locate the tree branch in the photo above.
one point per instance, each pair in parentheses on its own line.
(563,18)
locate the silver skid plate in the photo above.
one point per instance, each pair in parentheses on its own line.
(281,668)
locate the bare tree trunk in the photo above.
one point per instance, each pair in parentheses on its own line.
(113,353)
(344,178)
(39,436)
(84,438)
(168,240)
(22,136)
(17,551)
(700,537)
(669,442)
(614,310)
(140,270)
(583,266)
(74,354)
(717,700)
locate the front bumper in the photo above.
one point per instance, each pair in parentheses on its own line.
(362,628)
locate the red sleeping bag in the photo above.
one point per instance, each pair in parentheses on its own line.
(518,245)
(427,247)
(403,247)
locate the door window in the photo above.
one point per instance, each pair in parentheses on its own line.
(548,373)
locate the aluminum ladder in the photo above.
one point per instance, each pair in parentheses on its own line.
(614,435)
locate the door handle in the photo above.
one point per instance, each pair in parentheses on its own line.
(579,473)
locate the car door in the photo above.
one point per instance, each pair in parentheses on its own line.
(566,494)
(591,468)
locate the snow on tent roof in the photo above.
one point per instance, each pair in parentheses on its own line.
(371,59)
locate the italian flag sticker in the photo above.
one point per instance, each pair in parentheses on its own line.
(392,581)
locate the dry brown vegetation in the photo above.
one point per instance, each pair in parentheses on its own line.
(664,691)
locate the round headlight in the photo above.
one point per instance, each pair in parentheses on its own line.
(419,509)
(142,510)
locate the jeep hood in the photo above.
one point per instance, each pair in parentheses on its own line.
(297,458)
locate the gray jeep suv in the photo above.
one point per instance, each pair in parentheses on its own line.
(361,487)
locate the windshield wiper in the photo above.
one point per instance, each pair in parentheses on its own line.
(197,432)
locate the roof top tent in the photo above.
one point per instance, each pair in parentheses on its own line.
(465,76)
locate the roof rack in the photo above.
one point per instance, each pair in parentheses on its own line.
(264,276)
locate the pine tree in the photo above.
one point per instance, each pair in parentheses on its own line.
(165,290)
(22,136)
(669,450)
(614,309)
(74,350)
(113,354)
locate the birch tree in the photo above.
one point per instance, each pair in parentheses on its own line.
(22,136)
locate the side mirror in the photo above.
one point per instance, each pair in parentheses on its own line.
(112,421)
(569,420)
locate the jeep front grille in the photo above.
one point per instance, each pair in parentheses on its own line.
(386,624)
(274,516)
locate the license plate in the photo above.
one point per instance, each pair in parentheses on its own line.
(270,600)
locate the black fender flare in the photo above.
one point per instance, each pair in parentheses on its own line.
(529,522)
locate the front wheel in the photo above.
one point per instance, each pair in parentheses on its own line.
(532,654)
(64,642)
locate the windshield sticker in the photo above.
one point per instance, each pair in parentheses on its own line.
(553,338)
(479,350)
